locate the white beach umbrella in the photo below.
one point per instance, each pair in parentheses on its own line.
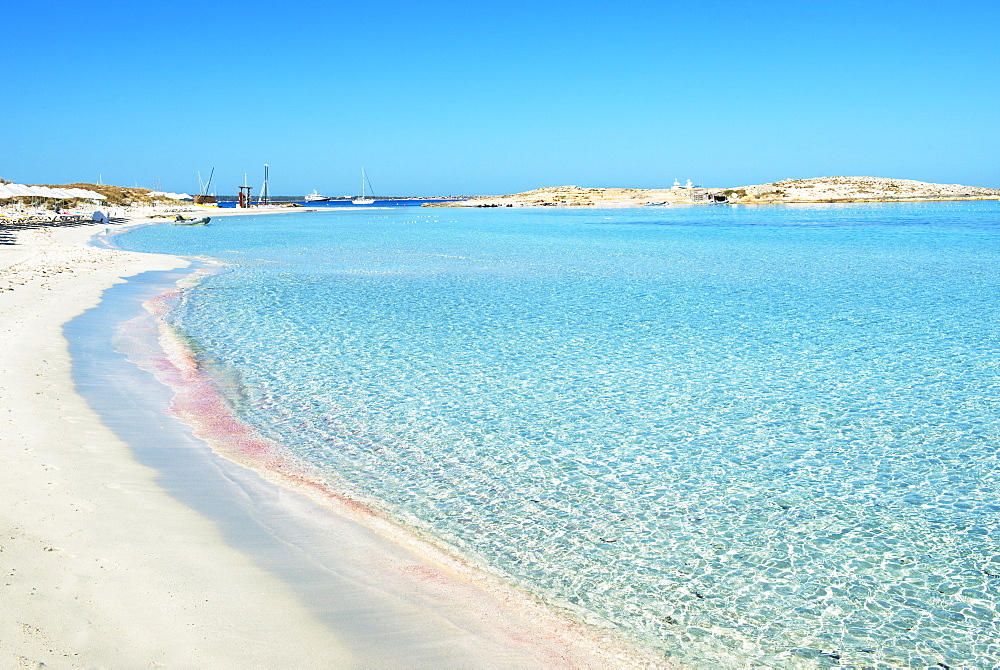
(79,193)
(18,190)
(171,196)
(50,192)
(84,193)
(41,191)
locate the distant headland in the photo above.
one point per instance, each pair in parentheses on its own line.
(816,190)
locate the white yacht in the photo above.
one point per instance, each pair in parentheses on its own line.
(316,197)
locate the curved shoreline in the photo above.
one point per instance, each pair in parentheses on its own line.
(103,567)
(393,607)
(400,559)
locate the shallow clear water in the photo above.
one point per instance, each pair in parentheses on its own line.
(744,435)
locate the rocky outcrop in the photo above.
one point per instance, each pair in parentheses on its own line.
(817,190)
(863,189)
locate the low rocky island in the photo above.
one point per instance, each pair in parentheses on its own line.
(816,190)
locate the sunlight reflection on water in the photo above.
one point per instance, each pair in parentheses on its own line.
(765,432)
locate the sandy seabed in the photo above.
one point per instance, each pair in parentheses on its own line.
(102,566)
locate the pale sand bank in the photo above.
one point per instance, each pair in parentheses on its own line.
(101,567)
(820,190)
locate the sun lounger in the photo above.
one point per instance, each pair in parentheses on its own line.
(11,218)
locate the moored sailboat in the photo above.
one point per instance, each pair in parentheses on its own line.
(363,200)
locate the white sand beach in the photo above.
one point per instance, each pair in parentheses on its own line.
(102,567)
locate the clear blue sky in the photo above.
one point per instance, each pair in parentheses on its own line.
(487,97)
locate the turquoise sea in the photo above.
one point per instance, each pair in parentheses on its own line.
(742,436)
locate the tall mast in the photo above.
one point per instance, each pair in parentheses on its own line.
(263,199)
